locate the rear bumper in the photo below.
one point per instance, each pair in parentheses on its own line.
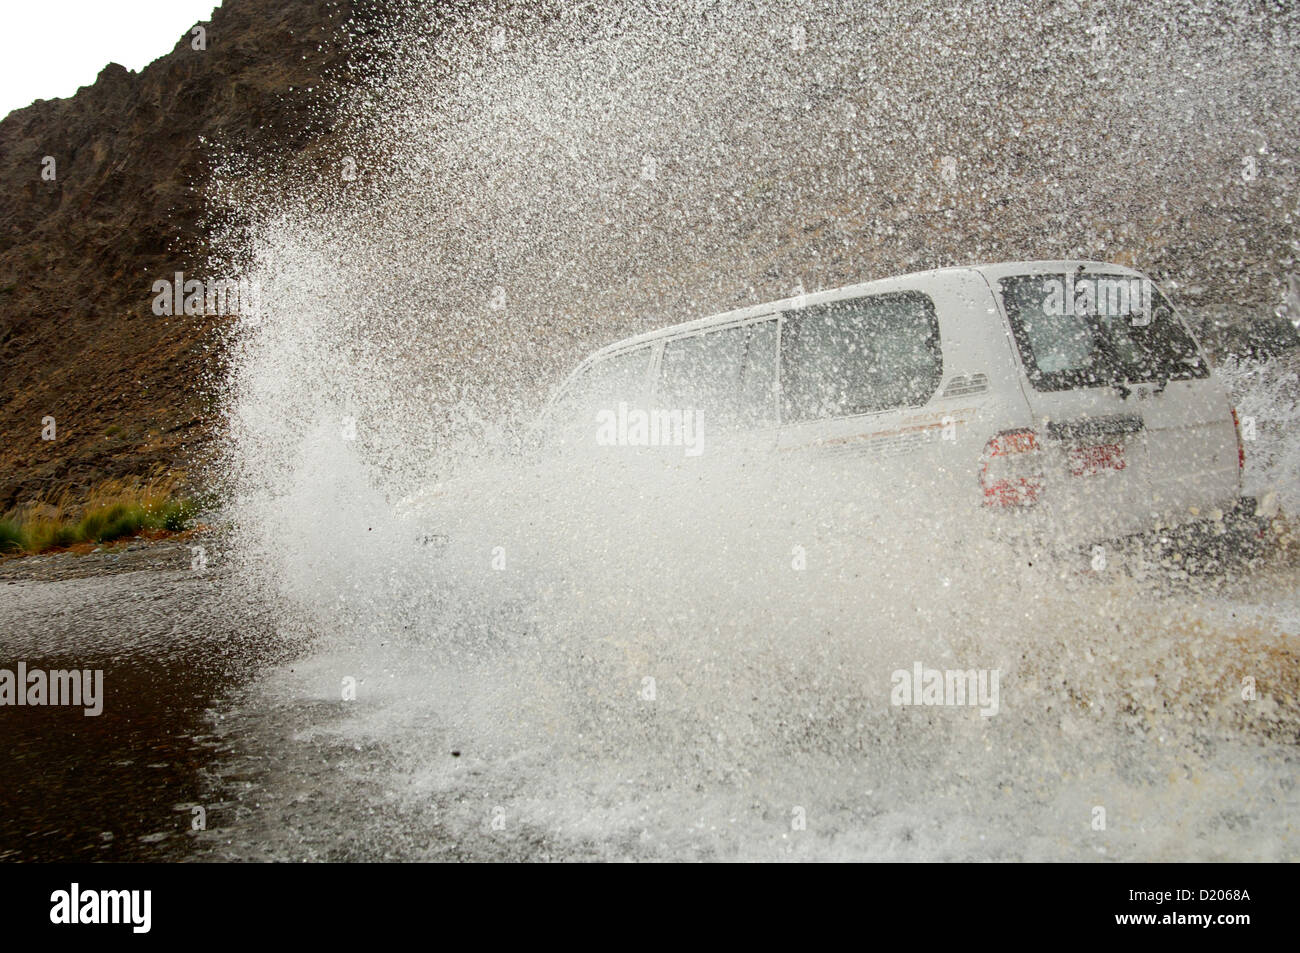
(1240,518)
(1234,536)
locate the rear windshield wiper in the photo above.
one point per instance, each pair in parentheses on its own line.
(1110,357)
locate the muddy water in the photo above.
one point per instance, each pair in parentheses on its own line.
(119,785)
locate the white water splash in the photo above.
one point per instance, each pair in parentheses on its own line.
(519,206)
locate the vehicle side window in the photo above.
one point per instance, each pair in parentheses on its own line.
(601,387)
(703,372)
(860,356)
(728,376)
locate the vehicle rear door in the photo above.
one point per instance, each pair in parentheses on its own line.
(1093,433)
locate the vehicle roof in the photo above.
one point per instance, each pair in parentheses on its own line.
(991,272)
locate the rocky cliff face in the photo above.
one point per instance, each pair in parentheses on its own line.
(101,196)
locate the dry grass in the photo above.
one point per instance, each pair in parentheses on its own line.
(113,510)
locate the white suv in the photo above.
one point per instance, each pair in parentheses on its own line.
(1069,390)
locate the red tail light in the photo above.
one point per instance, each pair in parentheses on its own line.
(1241,444)
(1011,470)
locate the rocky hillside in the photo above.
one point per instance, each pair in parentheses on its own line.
(116,206)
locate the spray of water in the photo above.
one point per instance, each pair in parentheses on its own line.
(635,657)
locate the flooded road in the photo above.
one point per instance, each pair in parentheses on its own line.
(119,785)
(417,746)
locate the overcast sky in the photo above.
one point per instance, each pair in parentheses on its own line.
(49,48)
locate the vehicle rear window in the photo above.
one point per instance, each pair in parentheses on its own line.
(1089,330)
(860,356)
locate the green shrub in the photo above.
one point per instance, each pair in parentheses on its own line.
(50,535)
(12,537)
(112,522)
(128,524)
(178,516)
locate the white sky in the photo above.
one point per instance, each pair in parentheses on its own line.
(49,48)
